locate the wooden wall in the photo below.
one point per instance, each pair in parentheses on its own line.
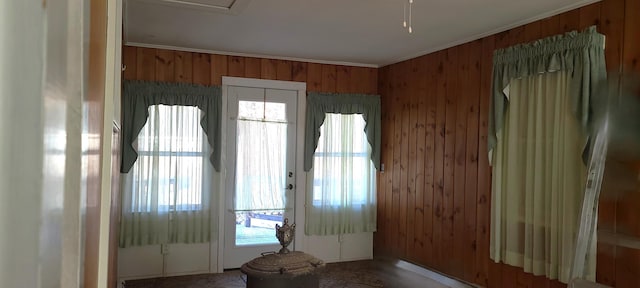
(94,126)
(434,196)
(208,69)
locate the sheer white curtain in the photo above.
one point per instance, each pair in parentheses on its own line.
(342,199)
(166,195)
(538,178)
(260,166)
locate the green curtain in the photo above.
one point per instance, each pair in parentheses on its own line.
(318,104)
(581,54)
(137,96)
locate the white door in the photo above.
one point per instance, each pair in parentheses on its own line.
(260,180)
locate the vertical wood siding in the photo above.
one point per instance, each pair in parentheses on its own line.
(207,69)
(434,197)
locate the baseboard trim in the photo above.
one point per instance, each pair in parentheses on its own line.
(441,278)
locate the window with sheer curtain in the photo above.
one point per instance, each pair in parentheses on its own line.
(538,178)
(343,193)
(542,111)
(261,158)
(166,195)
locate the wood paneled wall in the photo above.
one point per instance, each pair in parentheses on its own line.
(435,194)
(207,69)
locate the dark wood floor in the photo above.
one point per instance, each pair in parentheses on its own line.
(380,272)
(400,274)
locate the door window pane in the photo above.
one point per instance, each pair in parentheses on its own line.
(261,146)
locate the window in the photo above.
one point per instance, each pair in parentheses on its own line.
(166,193)
(544,98)
(343,197)
(342,161)
(171,158)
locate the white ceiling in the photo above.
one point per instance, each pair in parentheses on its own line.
(355,32)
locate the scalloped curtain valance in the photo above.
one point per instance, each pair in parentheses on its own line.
(581,54)
(318,104)
(137,96)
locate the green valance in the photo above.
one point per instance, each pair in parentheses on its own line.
(318,104)
(581,54)
(137,96)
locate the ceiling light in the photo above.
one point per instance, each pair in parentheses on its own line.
(406,8)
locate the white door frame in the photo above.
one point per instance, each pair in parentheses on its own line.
(300,186)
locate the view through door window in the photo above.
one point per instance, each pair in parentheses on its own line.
(259,198)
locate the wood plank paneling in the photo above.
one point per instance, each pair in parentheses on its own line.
(385,177)
(483,211)
(452,176)
(359,79)
(372,79)
(314,77)
(470,194)
(130,62)
(438,193)
(509,276)
(419,78)
(411,162)
(533,31)
(236,66)
(299,71)
(328,78)
(208,69)
(201,69)
(165,66)
(453,89)
(343,79)
(269,69)
(631,53)
(252,67)
(550,26)
(183,67)
(570,20)
(590,15)
(381,177)
(388,134)
(146,64)
(429,110)
(393,239)
(460,159)
(523,279)
(283,70)
(404,157)
(219,68)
